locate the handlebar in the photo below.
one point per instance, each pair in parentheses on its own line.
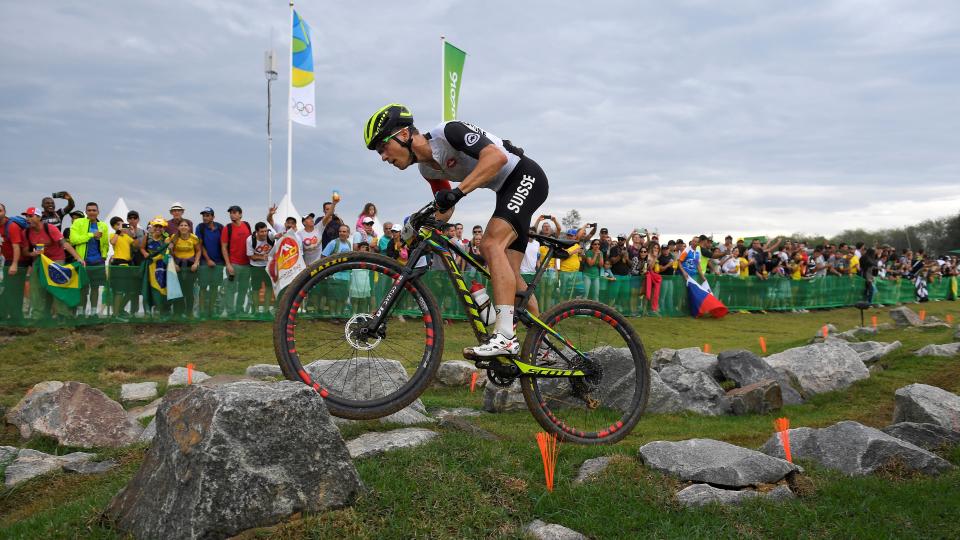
(420,218)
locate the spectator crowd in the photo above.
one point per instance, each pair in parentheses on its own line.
(222,264)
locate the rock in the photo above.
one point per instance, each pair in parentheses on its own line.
(757,398)
(926,436)
(693,359)
(149,432)
(743,367)
(74,414)
(551,531)
(663,398)
(179,377)
(8,454)
(591,468)
(904,316)
(233,457)
(146,411)
(372,444)
(714,462)
(458,411)
(855,449)
(947,349)
(662,357)
(498,400)
(138,391)
(264,371)
(91,467)
(821,367)
(923,403)
(956,334)
(457,423)
(351,379)
(32,463)
(459,373)
(698,392)
(704,494)
(871,351)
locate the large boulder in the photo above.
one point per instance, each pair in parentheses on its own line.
(855,449)
(926,436)
(662,357)
(946,349)
(694,359)
(143,391)
(75,414)
(459,373)
(704,494)
(663,399)
(698,391)
(353,379)
(923,403)
(871,351)
(32,463)
(745,368)
(821,367)
(375,443)
(264,371)
(904,316)
(714,462)
(757,398)
(497,399)
(236,456)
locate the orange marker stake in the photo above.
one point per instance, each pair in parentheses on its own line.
(706,347)
(923,314)
(189,374)
(763,345)
(473,381)
(548,452)
(949,318)
(782,425)
(825,331)
(873,321)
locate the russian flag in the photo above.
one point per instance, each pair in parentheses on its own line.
(702,300)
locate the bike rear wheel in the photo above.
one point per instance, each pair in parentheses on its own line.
(319,335)
(603,407)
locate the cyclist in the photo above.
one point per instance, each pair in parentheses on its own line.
(459,152)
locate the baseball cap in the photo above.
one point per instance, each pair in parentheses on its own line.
(32,211)
(621,236)
(572,232)
(76,214)
(604,230)
(158,221)
(396,227)
(133,214)
(234,208)
(207,210)
(305,216)
(176,206)
(367,220)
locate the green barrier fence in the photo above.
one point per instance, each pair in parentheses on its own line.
(210,296)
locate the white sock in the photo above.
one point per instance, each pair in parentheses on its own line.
(505,320)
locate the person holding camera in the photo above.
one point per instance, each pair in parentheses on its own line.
(123,282)
(51,214)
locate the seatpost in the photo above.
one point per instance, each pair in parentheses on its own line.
(524,296)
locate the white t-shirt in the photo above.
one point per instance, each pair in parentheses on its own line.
(529,263)
(731,266)
(310,242)
(361,236)
(262,248)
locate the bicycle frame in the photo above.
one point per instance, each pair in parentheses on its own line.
(433,241)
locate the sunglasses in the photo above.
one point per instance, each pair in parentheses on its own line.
(383,144)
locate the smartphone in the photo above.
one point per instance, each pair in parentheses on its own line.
(547,217)
(59,194)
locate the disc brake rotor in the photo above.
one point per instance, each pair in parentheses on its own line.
(354,332)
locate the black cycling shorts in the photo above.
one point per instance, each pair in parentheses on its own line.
(519,197)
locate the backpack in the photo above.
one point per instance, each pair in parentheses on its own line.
(253,241)
(22,223)
(230,236)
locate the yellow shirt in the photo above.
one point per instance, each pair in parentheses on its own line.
(796,273)
(571,263)
(122,247)
(543,253)
(185,248)
(854,265)
(744,267)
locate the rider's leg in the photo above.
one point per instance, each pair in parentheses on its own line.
(503,274)
(515,258)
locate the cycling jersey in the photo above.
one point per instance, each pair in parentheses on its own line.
(456,148)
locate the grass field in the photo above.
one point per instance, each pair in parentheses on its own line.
(462,486)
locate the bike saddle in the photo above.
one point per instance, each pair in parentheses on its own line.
(559,243)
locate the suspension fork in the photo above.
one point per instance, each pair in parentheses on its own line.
(407,274)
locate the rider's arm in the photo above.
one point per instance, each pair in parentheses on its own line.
(491,160)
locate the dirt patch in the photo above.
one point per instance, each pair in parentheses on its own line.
(78,341)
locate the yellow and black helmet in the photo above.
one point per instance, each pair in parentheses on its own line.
(387,120)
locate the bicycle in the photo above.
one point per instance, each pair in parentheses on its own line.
(589,392)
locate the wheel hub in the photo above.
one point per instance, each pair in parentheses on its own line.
(359,335)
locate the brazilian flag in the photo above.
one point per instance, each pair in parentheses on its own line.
(63,281)
(154,288)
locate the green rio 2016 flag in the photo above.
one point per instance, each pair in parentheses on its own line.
(452,76)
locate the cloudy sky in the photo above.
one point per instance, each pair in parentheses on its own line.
(688,117)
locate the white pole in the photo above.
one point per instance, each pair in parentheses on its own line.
(289,119)
(443,80)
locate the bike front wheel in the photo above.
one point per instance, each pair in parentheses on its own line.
(604,406)
(321,337)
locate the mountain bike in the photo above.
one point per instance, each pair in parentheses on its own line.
(339,328)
